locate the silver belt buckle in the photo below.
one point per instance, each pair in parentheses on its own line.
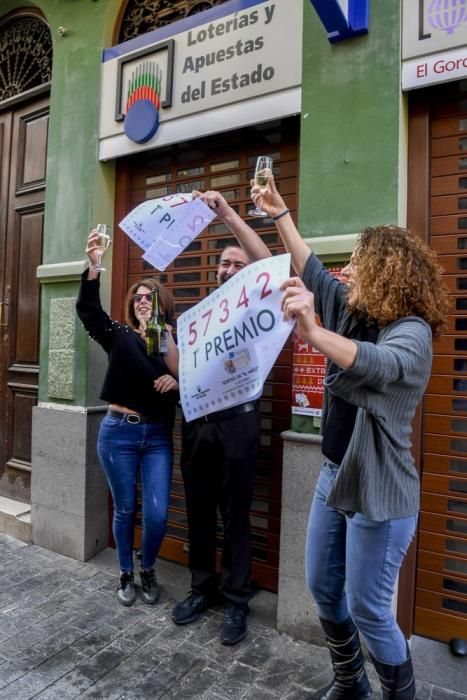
(133,419)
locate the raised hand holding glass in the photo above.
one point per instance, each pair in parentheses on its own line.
(263,172)
(102,243)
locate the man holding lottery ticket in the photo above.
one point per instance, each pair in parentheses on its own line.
(218,461)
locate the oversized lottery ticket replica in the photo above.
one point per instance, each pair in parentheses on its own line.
(229,341)
(164,227)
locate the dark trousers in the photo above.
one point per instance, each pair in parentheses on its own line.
(218,466)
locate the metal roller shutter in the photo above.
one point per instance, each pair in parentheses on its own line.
(441,593)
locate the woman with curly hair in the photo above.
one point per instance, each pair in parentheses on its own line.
(377,327)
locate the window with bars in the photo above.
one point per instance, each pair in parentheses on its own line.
(25,55)
(141,16)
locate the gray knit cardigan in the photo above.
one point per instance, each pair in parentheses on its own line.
(377,476)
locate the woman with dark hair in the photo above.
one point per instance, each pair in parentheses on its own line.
(135,435)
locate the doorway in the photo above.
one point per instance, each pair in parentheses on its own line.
(438,212)
(23,154)
(226,163)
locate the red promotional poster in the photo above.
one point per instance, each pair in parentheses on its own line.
(309,369)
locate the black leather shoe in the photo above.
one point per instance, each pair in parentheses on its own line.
(126,592)
(149,589)
(458,646)
(190,609)
(234,626)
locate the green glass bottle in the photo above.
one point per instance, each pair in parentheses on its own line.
(157,335)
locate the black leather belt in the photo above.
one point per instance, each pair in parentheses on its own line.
(132,418)
(230,412)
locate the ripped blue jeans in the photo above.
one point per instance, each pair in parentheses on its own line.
(124,449)
(352,566)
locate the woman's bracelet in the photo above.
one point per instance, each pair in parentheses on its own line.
(279,216)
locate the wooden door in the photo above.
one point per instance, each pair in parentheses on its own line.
(23,148)
(441,585)
(226,163)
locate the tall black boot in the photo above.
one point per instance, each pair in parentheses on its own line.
(350,681)
(397,682)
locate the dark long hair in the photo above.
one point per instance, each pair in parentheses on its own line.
(165,300)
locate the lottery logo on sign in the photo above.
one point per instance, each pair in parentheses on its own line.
(229,341)
(144,83)
(447,15)
(143,102)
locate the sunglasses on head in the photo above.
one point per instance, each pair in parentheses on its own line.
(138,298)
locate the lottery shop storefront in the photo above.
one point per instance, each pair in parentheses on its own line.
(183,145)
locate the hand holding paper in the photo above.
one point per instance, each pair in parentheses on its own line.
(164,227)
(230,340)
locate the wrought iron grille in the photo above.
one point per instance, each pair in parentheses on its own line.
(143,16)
(25,56)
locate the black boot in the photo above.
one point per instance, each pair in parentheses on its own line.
(350,681)
(126,592)
(149,588)
(397,682)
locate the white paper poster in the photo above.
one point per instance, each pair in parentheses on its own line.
(164,227)
(229,342)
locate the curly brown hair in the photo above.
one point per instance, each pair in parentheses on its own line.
(396,275)
(165,300)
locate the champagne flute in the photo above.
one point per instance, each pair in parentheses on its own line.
(263,172)
(102,243)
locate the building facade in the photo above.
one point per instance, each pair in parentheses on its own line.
(358,138)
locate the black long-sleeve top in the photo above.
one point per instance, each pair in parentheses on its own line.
(129,380)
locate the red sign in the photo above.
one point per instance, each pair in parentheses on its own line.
(309,369)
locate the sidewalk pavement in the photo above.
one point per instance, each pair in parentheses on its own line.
(64,635)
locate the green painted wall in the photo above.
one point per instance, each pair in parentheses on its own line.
(349,154)
(350,122)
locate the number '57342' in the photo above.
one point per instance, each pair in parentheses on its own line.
(223,308)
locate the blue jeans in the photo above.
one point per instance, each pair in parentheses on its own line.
(125,449)
(351,569)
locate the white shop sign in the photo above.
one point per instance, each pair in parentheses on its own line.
(235,64)
(430,70)
(434,42)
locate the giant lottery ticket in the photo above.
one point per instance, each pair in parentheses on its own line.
(164,227)
(229,342)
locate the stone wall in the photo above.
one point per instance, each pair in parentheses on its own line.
(296,612)
(70,499)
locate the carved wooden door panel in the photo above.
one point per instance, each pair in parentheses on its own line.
(23,144)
